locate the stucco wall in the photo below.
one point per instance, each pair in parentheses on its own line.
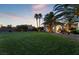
(78,26)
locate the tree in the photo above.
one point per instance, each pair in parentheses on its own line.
(49,20)
(9,26)
(65,11)
(22,27)
(36,16)
(76,10)
(39,16)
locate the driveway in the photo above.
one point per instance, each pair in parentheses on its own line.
(71,36)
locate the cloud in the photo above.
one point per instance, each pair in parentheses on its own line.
(14,19)
(39,8)
(10,15)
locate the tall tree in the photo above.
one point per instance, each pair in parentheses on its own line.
(37,17)
(49,20)
(65,11)
(40,16)
(76,10)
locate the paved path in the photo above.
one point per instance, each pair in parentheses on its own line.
(71,36)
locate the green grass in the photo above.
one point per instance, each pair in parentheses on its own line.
(36,43)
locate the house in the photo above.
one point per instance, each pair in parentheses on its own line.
(30,27)
(46,28)
(57,27)
(62,24)
(76,25)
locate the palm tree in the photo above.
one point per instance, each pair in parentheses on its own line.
(49,20)
(64,11)
(40,16)
(36,16)
(76,10)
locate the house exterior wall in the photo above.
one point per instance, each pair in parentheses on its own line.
(76,18)
(78,26)
(46,29)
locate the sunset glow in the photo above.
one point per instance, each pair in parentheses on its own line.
(22,13)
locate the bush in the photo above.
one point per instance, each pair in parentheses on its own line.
(75,31)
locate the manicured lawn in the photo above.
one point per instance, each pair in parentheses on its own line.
(35,43)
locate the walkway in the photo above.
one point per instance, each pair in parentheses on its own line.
(71,36)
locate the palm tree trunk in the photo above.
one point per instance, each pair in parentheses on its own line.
(69,26)
(54,28)
(39,22)
(49,28)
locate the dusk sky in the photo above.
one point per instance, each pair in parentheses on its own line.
(16,14)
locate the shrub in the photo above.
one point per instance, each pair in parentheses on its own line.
(75,31)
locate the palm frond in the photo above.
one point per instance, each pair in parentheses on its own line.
(57,6)
(60,15)
(36,16)
(61,10)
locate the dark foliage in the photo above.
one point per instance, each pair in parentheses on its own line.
(22,27)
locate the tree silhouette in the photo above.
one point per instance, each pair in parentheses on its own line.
(49,20)
(36,17)
(40,16)
(65,11)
